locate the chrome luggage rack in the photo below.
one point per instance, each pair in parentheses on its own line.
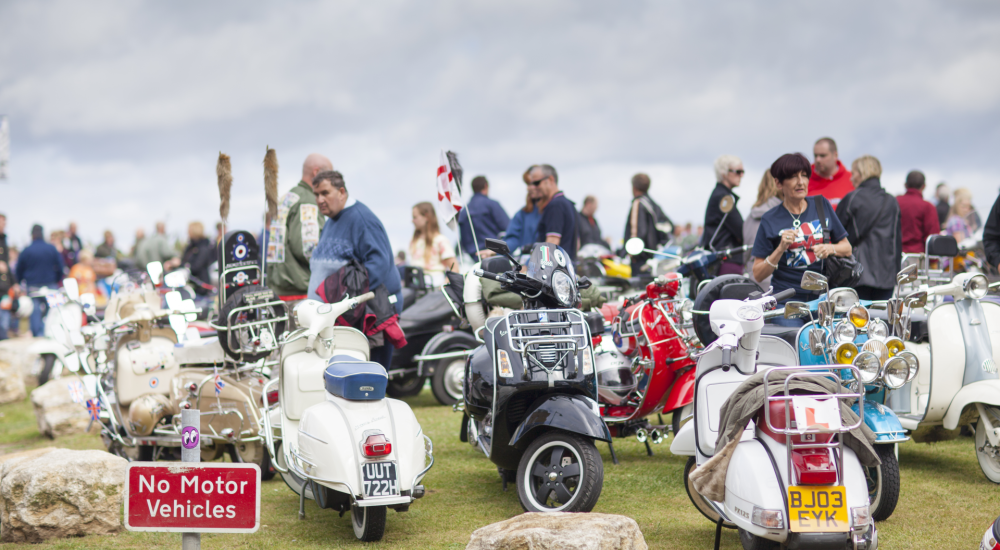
(567,335)
(830,372)
(231,326)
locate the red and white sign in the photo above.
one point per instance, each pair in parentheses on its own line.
(192,498)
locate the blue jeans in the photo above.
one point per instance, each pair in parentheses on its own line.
(37,319)
(4,323)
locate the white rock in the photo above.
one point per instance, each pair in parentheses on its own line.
(58,493)
(11,381)
(57,412)
(15,352)
(560,530)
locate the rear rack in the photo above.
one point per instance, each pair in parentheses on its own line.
(829,372)
(232,327)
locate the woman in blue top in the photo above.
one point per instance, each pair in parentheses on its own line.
(524,225)
(790,237)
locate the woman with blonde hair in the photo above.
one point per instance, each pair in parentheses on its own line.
(963,221)
(429,249)
(874,228)
(768,196)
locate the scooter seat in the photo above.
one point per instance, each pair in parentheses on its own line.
(355,380)
(779,422)
(788,334)
(428,313)
(200,352)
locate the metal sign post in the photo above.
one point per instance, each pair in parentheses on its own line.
(190,452)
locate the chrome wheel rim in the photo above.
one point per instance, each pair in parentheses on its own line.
(551,481)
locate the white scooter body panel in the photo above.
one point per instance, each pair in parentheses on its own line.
(684,443)
(947,351)
(986,392)
(302,383)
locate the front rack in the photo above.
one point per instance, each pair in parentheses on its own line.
(542,341)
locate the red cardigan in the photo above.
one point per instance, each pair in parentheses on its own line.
(919,220)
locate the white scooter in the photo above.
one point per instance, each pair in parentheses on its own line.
(58,351)
(780,477)
(333,435)
(961,385)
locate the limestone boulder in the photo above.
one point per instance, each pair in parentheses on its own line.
(560,530)
(60,407)
(58,493)
(11,380)
(15,352)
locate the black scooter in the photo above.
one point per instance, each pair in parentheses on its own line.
(530,391)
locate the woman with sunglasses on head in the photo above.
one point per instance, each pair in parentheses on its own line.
(524,225)
(725,231)
(790,237)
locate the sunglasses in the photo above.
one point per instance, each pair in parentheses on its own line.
(539,182)
(738,172)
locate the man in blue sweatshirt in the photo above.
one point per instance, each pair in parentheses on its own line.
(39,264)
(352,230)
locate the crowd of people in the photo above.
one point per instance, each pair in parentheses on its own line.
(804,212)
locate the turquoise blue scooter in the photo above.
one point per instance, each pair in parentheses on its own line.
(842,330)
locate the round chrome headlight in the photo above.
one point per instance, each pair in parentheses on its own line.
(844,332)
(858,316)
(878,330)
(562,286)
(977,286)
(868,366)
(911,360)
(897,372)
(894,345)
(845,353)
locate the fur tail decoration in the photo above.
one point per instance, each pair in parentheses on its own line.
(271,183)
(225,172)
(456,169)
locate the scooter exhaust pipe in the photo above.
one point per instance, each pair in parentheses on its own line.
(641,435)
(655,436)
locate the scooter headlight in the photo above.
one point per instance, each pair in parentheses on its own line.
(896,373)
(858,316)
(562,286)
(895,346)
(868,366)
(844,332)
(911,360)
(878,330)
(977,286)
(845,353)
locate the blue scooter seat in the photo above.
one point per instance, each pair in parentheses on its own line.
(353,379)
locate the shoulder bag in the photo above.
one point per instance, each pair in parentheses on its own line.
(840,271)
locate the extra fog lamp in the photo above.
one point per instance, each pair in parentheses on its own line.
(911,360)
(844,353)
(896,373)
(895,346)
(868,366)
(977,286)
(562,287)
(878,330)
(858,316)
(844,332)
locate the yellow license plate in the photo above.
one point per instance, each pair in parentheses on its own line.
(817,509)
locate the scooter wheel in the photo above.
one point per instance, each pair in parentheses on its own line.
(405,387)
(883,483)
(368,522)
(446,383)
(699,501)
(560,472)
(988,455)
(753,542)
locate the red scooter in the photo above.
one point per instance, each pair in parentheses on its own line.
(658,375)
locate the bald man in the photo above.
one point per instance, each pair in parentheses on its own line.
(294,233)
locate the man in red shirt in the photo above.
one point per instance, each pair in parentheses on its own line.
(918,217)
(829,177)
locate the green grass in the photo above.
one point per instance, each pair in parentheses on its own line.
(946,502)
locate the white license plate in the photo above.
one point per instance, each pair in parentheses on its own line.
(380,479)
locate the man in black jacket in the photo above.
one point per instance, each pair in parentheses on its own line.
(721,230)
(645,220)
(587,227)
(991,235)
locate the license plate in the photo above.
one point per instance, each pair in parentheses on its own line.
(817,509)
(380,479)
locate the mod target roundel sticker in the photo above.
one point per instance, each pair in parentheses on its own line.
(241,278)
(240,252)
(154,382)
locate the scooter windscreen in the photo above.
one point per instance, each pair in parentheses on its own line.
(550,265)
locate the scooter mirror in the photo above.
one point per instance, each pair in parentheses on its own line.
(826,311)
(726,204)
(498,246)
(175,279)
(813,281)
(155,270)
(917,299)
(907,275)
(173,299)
(795,310)
(634,246)
(72,289)
(89,303)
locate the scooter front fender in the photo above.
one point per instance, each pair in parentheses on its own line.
(986,392)
(573,413)
(883,421)
(684,443)
(682,391)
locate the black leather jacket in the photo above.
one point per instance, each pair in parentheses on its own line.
(731,233)
(871,218)
(991,235)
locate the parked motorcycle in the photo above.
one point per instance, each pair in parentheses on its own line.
(698,266)
(790,481)
(530,392)
(57,353)
(332,434)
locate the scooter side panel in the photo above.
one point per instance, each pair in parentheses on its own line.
(132,377)
(684,441)
(408,435)
(974,317)
(986,392)
(921,387)
(751,481)
(572,413)
(301,383)
(947,360)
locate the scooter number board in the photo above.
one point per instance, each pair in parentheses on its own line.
(817,509)
(380,479)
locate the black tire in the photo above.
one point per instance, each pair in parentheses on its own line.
(447,387)
(574,461)
(753,542)
(699,501)
(238,300)
(368,522)
(48,363)
(681,417)
(987,454)
(883,483)
(407,386)
(267,471)
(146,453)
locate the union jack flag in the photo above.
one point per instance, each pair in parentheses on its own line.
(94,408)
(75,391)
(219,384)
(800,252)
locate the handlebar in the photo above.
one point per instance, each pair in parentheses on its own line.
(784,294)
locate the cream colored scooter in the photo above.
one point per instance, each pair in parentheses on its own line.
(962,386)
(333,435)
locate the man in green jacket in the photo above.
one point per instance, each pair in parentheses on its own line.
(293,234)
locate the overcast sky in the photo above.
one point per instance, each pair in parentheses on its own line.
(118,110)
